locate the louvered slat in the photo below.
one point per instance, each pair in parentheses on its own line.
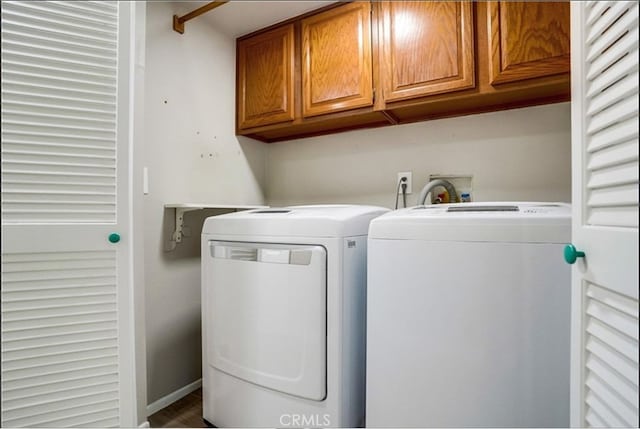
(66,408)
(600,408)
(615,402)
(625,131)
(614,197)
(612,338)
(102,419)
(57,418)
(611,55)
(623,366)
(53,265)
(97,9)
(594,421)
(59,338)
(45,15)
(612,378)
(61,41)
(618,91)
(613,155)
(21,30)
(15,107)
(59,76)
(69,384)
(626,65)
(39,48)
(55,115)
(598,27)
(611,359)
(626,306)
(67,11)
(57,104)
(18,355)
(625,216)
(616,175)
(612,114)
(71,365)
(597,8)
(53,379)
(614,30)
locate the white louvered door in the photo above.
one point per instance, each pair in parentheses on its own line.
(604,361)
(67,326)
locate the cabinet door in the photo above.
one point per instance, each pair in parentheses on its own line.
(265,78)
(427,48)
(336,58)
(528,40)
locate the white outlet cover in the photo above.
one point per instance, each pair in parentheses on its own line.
(408,175)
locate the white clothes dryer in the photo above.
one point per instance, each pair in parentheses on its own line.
(468,311)
(283,316)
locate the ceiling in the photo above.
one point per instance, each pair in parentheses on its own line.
(239,17)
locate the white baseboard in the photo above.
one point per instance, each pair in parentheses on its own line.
(145,425)
(173,397)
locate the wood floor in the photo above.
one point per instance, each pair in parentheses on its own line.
(184,413)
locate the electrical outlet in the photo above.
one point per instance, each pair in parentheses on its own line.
(406,174)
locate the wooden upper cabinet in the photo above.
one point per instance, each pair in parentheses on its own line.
(336,60)
(426,48)
(316,73)
(528,40)
(265,78)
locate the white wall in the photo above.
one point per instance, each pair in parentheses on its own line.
(521,154)
(193,156)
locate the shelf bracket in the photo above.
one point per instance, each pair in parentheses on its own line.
(178,21)
(182,208)
(180,211)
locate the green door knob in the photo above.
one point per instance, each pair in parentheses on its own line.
(571,254)
(114,237)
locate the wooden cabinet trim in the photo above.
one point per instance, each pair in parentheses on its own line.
(284,112)
(501,71)
(364,94)
(465,77)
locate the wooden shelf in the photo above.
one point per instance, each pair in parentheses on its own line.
(182,208)
(200,206)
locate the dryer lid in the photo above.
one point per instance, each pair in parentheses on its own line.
(487,221)
(302,221)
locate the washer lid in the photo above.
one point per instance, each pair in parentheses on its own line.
(303,221)
(491,221)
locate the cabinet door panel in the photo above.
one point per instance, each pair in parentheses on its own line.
(336,58)
(528,40)
(265,78)
(427,48)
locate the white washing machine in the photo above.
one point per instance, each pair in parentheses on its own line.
(468,311)
(283,316)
